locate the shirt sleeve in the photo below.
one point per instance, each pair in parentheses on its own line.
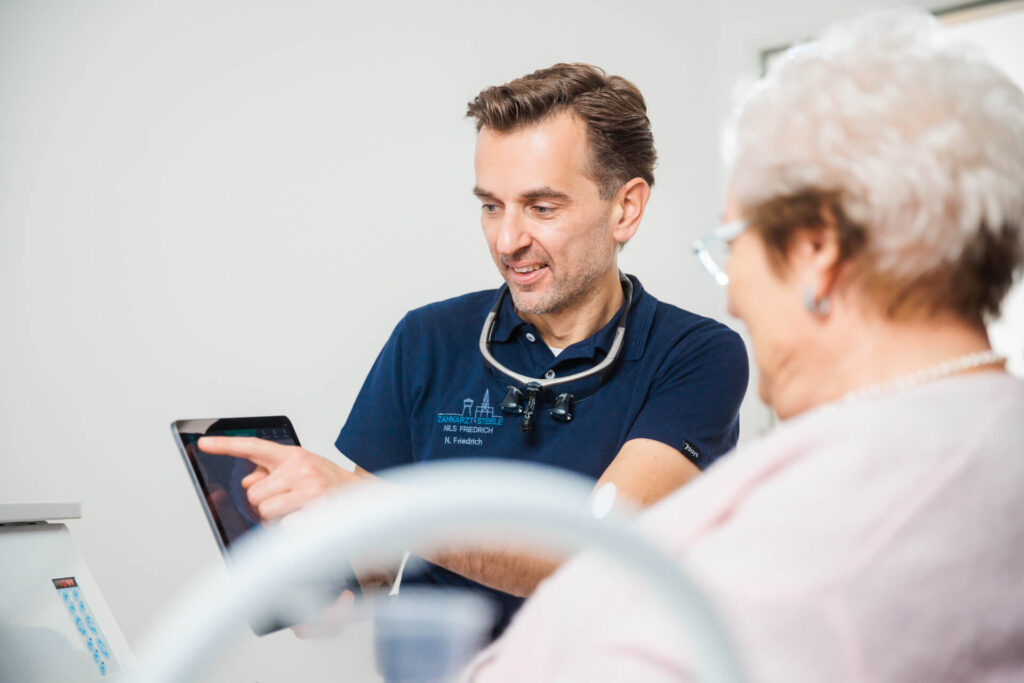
(693,403)
(376,434)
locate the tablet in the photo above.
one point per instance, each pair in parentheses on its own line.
(218,481)
(218,478)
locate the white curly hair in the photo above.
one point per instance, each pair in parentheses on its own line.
(920,138)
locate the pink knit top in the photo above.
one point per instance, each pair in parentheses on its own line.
(876,540)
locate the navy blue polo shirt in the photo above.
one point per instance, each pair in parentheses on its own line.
(680,380)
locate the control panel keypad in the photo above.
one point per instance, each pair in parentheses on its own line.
(85,623)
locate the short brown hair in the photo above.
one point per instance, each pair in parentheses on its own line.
(621,143)
(972,287)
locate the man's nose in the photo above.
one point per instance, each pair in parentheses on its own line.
(512,234)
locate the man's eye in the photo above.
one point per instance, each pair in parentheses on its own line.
(490,208)
(544,210)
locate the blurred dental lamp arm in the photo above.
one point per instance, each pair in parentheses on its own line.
(289,477)
(445,501)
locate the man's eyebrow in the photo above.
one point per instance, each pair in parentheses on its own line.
(546,193)
(543,192)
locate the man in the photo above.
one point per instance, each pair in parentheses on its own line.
(564,169)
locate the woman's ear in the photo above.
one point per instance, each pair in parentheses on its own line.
(814,255)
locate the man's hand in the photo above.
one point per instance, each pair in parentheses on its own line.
(331,619)
(286,478)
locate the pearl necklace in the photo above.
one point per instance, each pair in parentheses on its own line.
(953,366)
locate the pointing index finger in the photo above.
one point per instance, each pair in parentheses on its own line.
(266,454)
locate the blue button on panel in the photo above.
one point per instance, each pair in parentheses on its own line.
(86,624)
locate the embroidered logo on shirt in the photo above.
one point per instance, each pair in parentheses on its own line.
(465,428)
(690,451)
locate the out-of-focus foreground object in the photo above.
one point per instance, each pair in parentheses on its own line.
(444,502)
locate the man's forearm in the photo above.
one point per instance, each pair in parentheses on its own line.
(515,572)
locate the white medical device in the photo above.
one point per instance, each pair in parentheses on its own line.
(54,622)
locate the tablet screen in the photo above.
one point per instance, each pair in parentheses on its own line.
(218,480)
(219,477)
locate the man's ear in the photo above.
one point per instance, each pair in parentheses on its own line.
(628,206)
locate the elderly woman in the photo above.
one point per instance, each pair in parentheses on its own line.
(875,221)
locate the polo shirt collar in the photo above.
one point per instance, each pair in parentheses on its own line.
(508,321)
(508,324)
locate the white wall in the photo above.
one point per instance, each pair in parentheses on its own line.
(223,208)
(999,35)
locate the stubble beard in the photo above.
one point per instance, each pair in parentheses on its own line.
(561,296)
(565,294)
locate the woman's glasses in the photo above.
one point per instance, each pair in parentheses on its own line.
(713,250)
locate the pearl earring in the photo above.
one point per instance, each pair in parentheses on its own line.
(820,307)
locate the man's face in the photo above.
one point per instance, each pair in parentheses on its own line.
(548,228)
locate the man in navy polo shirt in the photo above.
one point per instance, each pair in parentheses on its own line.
(564,169)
